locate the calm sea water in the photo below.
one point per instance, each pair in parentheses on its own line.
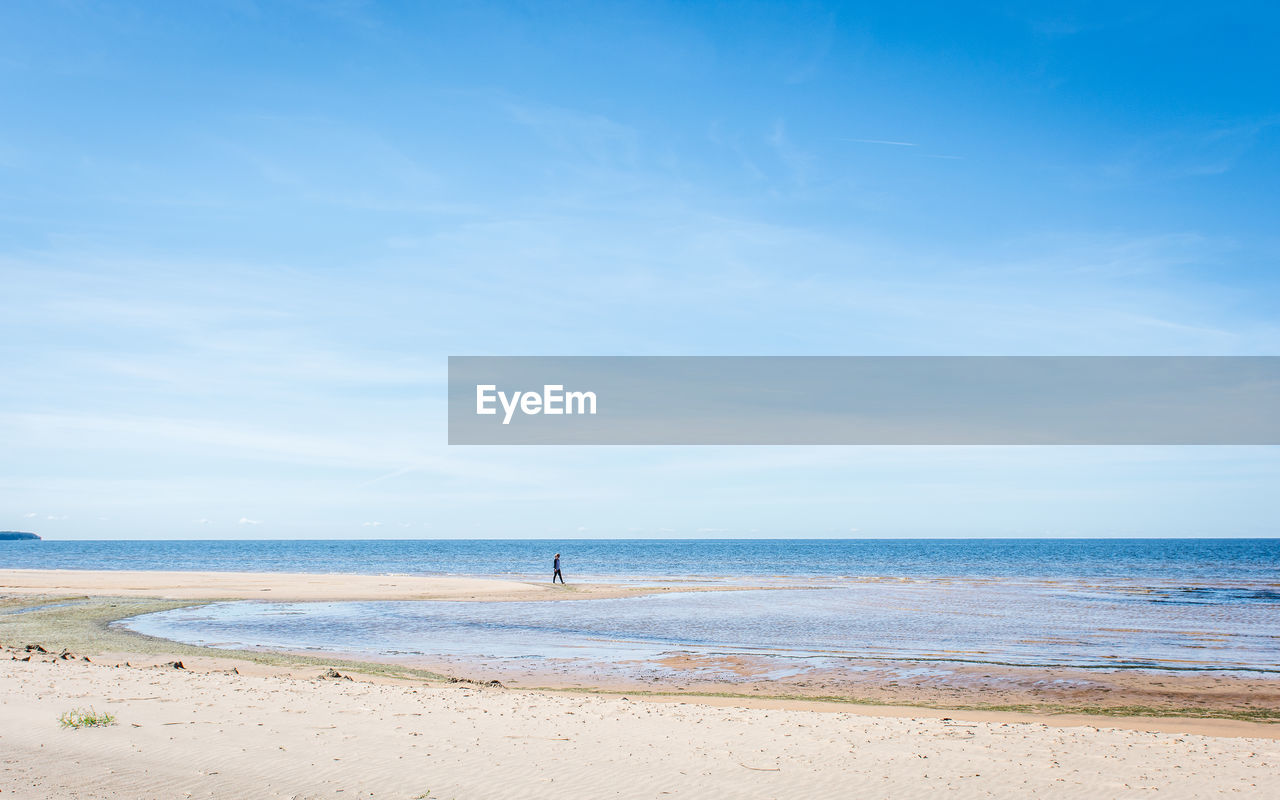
(1002,622)
(1188,561)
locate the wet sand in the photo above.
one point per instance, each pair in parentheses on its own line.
(1037,690)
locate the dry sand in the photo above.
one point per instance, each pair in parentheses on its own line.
(215,734)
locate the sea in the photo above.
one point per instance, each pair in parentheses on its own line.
(1171,605)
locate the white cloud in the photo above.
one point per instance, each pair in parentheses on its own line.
(204,521)
(371,524)
(247,521)
(31,515)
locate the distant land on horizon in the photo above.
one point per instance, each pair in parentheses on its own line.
(11,535)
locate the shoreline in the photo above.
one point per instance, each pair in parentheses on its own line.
(75,611)
(198,721)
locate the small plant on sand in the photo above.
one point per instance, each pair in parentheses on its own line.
(82,718)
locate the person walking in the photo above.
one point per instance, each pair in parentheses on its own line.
(556,574)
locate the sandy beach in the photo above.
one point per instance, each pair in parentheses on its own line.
(240,724)
(179,733)
(303,587)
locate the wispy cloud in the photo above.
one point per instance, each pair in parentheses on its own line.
(797,161)
(247,521)
(881,141)
(897,143)
(580,134)
(814,49)
(390,475)
(1187,151)
(374,450)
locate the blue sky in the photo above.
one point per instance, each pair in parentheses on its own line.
(238,241)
